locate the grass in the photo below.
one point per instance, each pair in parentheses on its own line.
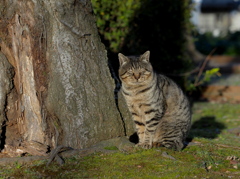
(208,159)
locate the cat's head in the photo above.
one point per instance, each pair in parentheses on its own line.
(135,70)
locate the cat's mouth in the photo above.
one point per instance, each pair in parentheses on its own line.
(142,79)
(137,81)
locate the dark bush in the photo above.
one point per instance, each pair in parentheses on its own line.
(135,26)
(225,45)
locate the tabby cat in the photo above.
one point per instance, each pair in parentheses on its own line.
(159,108)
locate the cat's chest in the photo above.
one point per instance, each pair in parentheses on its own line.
(138,103)
(133,97)
(138,94)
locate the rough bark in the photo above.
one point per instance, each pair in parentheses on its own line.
(62,89)
(6,74)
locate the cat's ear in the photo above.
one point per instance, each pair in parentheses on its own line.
(122,59)
(145,57)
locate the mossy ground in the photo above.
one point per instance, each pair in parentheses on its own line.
(210,155)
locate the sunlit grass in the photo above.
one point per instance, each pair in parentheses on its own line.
(206,157)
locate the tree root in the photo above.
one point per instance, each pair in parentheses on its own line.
(60,152)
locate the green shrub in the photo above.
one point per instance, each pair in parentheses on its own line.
(113,20)
(225,45)
(135,26)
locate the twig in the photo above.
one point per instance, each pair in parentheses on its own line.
(196,83)
(59,153)
(187,73)
(200,69)
(166,155)
(54,155)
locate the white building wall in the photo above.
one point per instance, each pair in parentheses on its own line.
(217,23)
(235,25)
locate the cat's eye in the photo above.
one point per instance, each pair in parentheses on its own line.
(145,72)
(130,72)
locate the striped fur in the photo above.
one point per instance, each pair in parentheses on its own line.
(160,110)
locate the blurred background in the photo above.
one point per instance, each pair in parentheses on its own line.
(194,42)
(217,24)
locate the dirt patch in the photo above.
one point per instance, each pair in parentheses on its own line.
(221,93)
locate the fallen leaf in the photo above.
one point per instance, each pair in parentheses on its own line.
(209,167)
(233,162)
(232,158)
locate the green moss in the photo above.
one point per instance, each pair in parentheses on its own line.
(206,159)
(111,148)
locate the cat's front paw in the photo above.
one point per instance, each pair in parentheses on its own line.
(144,145)
(157,144)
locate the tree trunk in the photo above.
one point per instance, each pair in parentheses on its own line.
(56,86)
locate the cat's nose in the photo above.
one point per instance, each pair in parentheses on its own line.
(137,75)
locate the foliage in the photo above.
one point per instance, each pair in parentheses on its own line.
(214,153)
(226,45)
(203,78)
(133,27)
(113,20)
(209,74)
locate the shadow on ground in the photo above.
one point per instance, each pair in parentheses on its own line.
(206,127)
